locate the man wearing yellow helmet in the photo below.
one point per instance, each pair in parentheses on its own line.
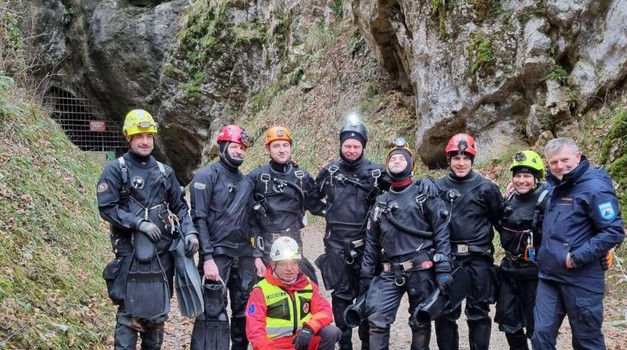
(520,235)
(139,197)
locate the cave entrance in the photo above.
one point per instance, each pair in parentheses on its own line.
(83,123)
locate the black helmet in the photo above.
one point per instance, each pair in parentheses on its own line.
(354,130)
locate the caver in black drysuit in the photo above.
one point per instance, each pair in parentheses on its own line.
(131,190)
(221,201)
(475,206)
(282,194)
(405,231)
(349,190)
(520,229)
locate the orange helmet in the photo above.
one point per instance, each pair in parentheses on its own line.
(234,133)
(278,133)
(461,143)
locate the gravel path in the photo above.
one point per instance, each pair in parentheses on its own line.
(178,329)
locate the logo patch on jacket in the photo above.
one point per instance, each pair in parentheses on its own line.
(251,309)
(103,187)
(607,211)
(305,308)
(137,182)
(199,186)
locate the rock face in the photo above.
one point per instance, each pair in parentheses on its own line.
(192,64)
(496,69)
(492,67)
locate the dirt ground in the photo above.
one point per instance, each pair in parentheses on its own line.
(178,329)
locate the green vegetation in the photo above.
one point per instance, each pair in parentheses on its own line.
(438,9)
(356,41)
(201,33)
(12,55)
(68,13)
(614,152)
(53,245)
(559,74)
(482,54)
(319,39)
(539,10)
(481,8)
(338,7)
(249,32)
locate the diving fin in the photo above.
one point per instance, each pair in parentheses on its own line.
(147,294)
(188,286)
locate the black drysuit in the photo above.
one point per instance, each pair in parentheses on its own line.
(405,230)
(520,226)
(349,191)
(282,193)
(475,206)
(221,201)
(130,192)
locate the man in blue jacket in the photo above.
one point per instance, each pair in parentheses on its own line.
(582,223)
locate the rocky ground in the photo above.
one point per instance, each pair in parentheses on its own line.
(178,329)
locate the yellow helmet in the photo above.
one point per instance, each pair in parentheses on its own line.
(530,160)
(278,133)
(139,121)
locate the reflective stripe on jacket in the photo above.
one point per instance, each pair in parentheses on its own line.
(286,314)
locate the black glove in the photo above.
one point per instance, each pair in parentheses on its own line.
(427,187)
(151,230)
(604,265)
(364,285)
(303,338)
(191,244)
(444,281)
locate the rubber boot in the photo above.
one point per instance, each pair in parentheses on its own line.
(152,338)
(379,337)
(339,306)
(125,337)
(421,336)
(346,339)
(238,333)
(479,333)
(364,334)
(517,340)
(447,334)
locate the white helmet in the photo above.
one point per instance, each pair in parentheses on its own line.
(285,248)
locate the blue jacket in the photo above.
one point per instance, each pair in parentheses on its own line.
(582,217)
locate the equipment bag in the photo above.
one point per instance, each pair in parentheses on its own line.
(115,274)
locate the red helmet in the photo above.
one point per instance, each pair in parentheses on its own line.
(234,133)
(461,143)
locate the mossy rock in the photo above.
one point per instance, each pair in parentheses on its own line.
(614,152)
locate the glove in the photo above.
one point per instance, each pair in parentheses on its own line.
(364,285)
(303,338)
(444,281)
(151,230)
(191,244)
(427,187)
(604,263)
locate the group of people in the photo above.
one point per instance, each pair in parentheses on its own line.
(386,235)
